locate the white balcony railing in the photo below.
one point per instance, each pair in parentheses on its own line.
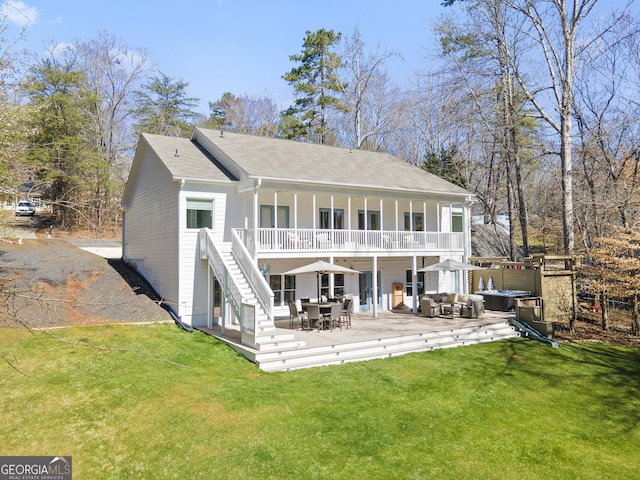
(290,239)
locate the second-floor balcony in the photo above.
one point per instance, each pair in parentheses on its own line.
(350,241)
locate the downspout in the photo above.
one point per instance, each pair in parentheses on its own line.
(122,234)
(180,219)
(178,320)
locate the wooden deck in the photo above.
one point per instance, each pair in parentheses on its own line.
(388,334)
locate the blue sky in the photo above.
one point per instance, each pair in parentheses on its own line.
(240,46)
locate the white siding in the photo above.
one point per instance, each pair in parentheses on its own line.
(193,301)
(150,235)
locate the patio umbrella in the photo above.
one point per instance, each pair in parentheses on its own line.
(449,266)
(320,267)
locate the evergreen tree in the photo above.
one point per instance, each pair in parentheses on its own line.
(316,82)
(60,143)
(163,107)
(220,116)
(445,165)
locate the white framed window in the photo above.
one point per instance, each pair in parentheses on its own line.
(456,222)
(199,213)
(284,289)
(268,217)
(413,222)
(373,220)
(409,283)
(325,218)
(338,285)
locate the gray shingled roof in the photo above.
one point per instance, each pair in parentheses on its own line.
(190,163)
(290,161)
(298,162)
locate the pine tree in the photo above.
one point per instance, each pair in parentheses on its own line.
(60,142)
(316,81)
(163,107)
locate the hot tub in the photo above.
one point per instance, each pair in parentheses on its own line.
(502,300)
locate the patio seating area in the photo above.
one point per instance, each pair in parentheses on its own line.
(321,316)
(450,305)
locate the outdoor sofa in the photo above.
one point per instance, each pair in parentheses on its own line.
(435,304)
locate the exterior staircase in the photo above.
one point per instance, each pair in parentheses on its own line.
(267,336)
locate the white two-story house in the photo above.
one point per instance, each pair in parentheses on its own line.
(214,221)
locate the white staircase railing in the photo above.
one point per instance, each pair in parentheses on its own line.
(209,251)
(254,276)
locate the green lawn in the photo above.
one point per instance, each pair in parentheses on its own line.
(168,404)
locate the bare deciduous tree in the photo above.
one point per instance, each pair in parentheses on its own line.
(254,115)
(368,94)
(483,53)
(608,120)
(559,45)
(113,71)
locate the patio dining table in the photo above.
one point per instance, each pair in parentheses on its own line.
(325,307)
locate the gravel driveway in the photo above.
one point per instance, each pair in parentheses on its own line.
(51,282)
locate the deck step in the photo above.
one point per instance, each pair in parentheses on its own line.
(270,367)
(270,341)
(404,341)
(283,359)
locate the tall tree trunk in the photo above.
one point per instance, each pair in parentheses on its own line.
(567,186)
(513,246)
(523,215)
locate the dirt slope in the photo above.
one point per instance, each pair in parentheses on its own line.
(49,282)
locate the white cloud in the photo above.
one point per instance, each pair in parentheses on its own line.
(18,12)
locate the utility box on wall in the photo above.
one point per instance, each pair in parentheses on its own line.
(397,299)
